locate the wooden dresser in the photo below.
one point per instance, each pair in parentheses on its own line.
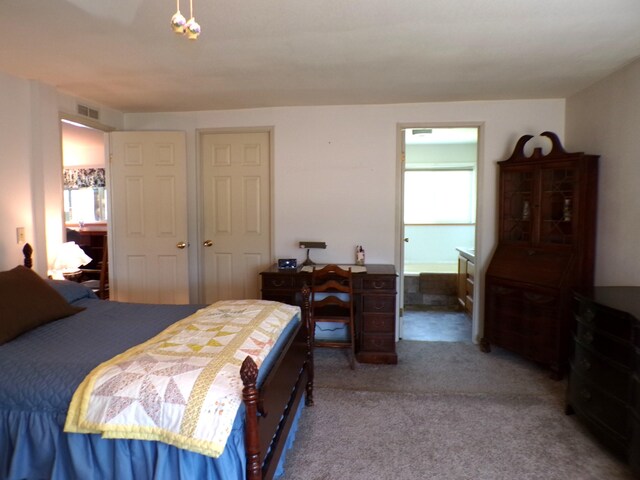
(546,247)
(604,378)
(375,306)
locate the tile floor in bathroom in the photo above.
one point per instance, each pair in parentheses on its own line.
(436,324)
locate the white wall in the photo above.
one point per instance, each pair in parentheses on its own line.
(335,168)
(604,120)
(31,167)
(16,209)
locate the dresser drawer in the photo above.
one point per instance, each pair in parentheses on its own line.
(607,346)
(606,320)
(635,394)
(377,343)
(379,323)
(610,376)
(592,402)
(379,304)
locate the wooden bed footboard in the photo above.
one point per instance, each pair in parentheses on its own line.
(270,409)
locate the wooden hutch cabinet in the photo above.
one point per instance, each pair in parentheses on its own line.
(546,247)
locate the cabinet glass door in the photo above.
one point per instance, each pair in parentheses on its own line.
(517,206)
(557,205)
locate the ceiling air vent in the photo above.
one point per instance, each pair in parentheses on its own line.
(88,112)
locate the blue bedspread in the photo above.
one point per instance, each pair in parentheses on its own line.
(40,370)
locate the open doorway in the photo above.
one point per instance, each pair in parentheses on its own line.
(84,172)
(439,211)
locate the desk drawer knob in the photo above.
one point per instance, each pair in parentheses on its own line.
(277,283)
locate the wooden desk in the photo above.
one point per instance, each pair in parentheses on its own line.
(375,306)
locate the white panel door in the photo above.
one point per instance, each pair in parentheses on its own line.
(148,257)
(236,213)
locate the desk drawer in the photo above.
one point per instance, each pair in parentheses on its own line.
(377,343)
(379,283)
(379,323)
(276,281)
(379,304)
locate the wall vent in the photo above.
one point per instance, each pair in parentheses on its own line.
(89,112)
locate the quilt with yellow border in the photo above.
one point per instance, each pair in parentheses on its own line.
(183,386)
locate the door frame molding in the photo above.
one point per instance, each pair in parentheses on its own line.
(478,304)
(198,253)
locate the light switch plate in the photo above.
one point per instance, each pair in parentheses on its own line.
(20,234)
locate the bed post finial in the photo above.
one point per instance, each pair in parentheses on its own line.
(27,251)
(250,396)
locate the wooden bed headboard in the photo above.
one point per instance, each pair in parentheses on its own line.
(27,251)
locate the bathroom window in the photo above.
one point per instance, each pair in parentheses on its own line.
(439,196)
(85,195)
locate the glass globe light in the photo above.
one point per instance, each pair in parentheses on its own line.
(192,29)
(178,22)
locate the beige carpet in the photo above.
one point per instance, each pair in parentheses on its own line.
(446,411)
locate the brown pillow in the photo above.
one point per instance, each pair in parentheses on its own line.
(27,301)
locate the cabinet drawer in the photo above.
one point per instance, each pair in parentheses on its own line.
(605,319)
(607,346)
(379,283)
(377,343)
(587,399)
(379,303)
(609,375)
(471,269)
(379,323)
(278,281)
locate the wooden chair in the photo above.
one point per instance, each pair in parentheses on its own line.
(100,286)
(332,302)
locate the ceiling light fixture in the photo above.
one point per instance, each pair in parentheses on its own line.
(181,25)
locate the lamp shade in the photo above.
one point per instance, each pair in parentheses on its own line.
(70,257)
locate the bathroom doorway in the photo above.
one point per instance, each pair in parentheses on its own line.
(439,210)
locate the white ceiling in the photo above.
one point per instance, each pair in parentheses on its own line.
(258,53)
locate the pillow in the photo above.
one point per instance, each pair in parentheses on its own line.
(27,301)
(71,291)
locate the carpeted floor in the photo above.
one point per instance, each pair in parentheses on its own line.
(445,412)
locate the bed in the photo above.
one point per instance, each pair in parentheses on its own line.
(41,368)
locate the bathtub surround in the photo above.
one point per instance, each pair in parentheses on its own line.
(431,290)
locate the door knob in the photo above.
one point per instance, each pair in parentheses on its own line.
(406,239)
(181,245)
(207,243)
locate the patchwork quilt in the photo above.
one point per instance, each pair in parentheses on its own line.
(183,386)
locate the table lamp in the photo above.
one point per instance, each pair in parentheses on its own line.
(69,259)
(309,245)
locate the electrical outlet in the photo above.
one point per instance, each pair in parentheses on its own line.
(20,234)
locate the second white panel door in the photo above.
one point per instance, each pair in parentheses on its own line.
(236,213)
